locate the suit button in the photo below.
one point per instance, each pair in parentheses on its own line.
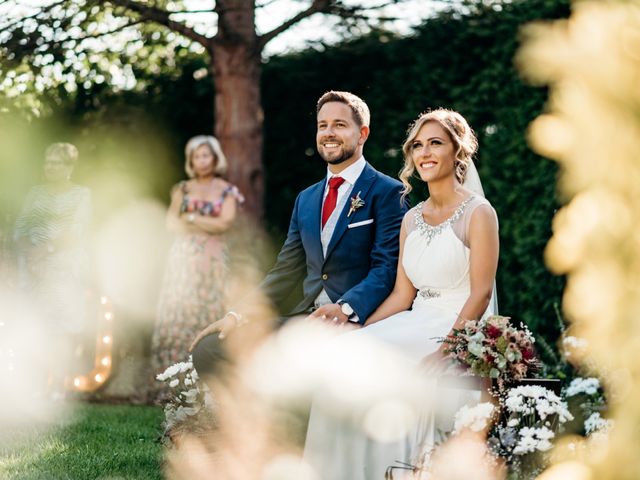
(325,276)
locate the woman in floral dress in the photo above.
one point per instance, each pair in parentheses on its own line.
(202,210)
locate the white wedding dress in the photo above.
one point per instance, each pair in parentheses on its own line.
(436,260)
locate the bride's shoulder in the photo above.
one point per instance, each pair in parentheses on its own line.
(413,212)
(474,201)
(412,217)
(480,207)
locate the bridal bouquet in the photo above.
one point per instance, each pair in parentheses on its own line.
(187,398)
(494,348)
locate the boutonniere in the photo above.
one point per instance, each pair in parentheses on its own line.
(356,203)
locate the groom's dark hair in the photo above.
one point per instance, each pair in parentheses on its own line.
(358,106)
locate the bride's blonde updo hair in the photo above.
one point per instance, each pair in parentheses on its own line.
(460,134)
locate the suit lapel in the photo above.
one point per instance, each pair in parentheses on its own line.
(313,213)
(362,185)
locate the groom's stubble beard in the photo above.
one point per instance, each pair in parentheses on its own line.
(347,153)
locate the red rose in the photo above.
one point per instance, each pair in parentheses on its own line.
(493,331)
(527,354)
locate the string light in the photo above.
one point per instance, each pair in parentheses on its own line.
(103,355)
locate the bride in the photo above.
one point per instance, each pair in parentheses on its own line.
(446,275)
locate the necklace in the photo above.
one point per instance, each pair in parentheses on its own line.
(431,231)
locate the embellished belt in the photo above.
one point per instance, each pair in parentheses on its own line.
(427,293)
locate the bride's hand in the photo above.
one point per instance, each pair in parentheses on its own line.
(435,363)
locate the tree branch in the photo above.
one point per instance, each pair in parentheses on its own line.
(265,4)
(43,10)
(382,5)
(110,32)
(160,16)
(316,6)
(182,12)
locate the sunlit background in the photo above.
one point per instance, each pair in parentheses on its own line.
(590,126)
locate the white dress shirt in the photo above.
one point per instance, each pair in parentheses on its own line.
(350,175)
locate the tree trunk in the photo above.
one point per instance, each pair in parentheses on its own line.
(238,107)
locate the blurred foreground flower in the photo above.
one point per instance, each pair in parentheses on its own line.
(592,65)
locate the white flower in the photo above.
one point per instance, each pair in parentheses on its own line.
(530,399)
(532,439)
(513,422)
(180,414)
(186,366)
(476,349)
(544,408)
(580,385)
(190,395)
(476,418)
(477,337)
(595,423)
(573,343)
(171,371)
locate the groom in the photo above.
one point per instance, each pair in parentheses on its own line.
(343,235)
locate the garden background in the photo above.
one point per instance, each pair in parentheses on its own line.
(462,58)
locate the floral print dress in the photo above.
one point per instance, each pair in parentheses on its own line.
(192,293)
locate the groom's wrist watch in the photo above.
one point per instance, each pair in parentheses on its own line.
(348,311)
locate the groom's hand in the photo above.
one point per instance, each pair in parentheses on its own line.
(223,327)
(331,313)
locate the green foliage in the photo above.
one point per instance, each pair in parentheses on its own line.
(99,441)
(455,60)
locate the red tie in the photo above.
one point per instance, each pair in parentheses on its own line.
(331,198)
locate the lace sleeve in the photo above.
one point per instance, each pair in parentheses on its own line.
(461,227)
(409,220)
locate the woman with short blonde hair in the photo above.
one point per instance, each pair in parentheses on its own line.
(203,209)
(194,143)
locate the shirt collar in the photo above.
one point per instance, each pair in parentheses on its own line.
(351,173)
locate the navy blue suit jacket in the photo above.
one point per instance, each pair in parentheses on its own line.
(361,262)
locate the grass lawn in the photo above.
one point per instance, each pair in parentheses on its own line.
(96,442)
